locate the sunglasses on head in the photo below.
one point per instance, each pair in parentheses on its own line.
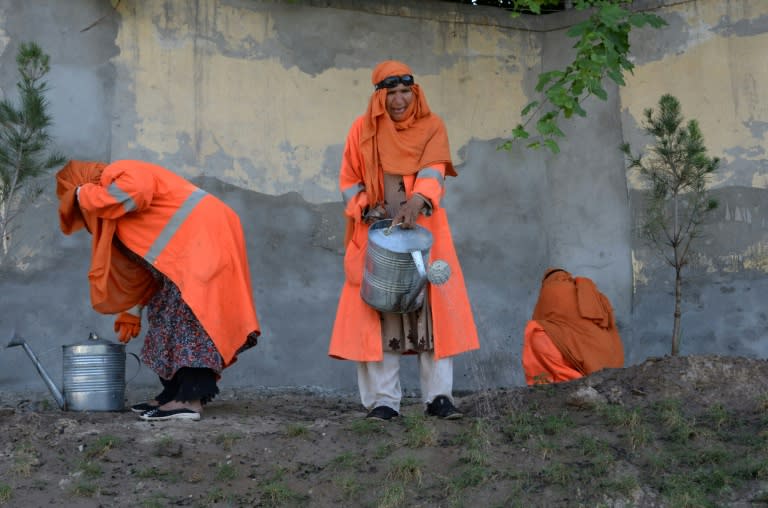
(393,81)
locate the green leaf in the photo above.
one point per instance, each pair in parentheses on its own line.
(579,29)
(546,77)
(507,145)
(529,107)
(519,132)
(535,145)
(641,19)
(552,145)
(611,14)
(616,77)
(600,92)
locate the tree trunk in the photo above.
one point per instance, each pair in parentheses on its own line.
(4,228)
(678,313)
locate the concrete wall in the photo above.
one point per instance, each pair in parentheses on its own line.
(252,101)
(712,58)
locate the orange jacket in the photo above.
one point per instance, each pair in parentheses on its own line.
(579,320)
(187,234)
(357,329)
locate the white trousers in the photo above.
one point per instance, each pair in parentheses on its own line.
(379,382)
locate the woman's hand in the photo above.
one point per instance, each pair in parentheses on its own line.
(373,214)
(409,211)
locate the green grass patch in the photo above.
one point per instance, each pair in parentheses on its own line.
(384,450)
(217,495)
(25,458)
(519,426)
(718,416)
(6,493)
(166,446)
(406,470)
(393,496)
(557,473)
(675,425)
(419,432)
(367,427)
(471,475)
(90,469)
(102,446)
(154,473)
(276,493)
(623,486)
(346,460)
(84,489)
(297,430)
(226,472)
(228,439)
(554,425)
(154,501)
(348,486)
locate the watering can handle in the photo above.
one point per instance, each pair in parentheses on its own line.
(138,363)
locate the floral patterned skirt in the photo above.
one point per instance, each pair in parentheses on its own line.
(175,338)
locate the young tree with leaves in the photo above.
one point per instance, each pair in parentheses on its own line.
(677,169)
(24,140)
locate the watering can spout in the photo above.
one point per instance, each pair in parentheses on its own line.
(17,340)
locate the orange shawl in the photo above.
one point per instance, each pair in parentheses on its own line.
(579,320)
(116,282)
(399,148)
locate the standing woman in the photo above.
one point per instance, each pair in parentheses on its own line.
(163,244)
(394,166)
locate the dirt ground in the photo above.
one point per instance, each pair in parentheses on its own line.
(683,431)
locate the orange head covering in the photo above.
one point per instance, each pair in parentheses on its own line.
(117,283)
(563,275)
(404,147)
(71,176)
(579,319)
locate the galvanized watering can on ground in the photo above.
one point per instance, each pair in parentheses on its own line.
(93,372)
(395,276)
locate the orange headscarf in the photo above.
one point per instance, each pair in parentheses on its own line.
(404,147)
(71,176)
(579,319)
(116,282)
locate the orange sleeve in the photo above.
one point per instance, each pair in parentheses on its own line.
(351,175)
(430,183)
(122,190)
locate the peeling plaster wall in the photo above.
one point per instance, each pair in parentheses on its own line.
(252,100)
(260,92)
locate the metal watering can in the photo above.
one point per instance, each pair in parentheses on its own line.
(93,372)
(395,273)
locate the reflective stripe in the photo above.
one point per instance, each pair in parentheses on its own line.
(174,224)
(431,173)
(351,192)
(122,197)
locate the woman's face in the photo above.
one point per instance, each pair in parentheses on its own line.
(398,100)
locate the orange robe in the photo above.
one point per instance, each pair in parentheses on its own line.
(357,328)
(190,236)
(572,332)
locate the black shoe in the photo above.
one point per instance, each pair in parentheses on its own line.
(142,408)
(173,414)
(442,407)
(382,413)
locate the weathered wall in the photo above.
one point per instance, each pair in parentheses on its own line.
(712,58)
(252,101)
